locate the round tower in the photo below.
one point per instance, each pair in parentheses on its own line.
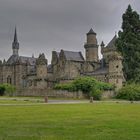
(91,47)
(116,76)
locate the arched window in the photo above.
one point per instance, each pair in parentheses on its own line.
(9,79)
(24,82)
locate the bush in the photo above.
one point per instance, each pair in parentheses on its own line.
(88,85)
(85,84)
(96,93)
(129,92)
(67,86)
(7,89)
(105,86)
(2,90)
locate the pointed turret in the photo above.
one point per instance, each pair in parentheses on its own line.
(91,47)
(15,36)
(91,32)
(102,44)
(15,44)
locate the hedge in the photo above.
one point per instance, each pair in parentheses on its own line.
(129,92)
(88,85)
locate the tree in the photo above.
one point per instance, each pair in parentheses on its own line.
(128,43)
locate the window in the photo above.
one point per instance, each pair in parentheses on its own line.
(9,80)
(24,82)
(117,66)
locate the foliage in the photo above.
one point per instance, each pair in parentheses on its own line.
(128,43)
(129,92)
(84,84)
(2,90)
(105,86)
(66,86)
(96,93)
(7,89)
(88,85)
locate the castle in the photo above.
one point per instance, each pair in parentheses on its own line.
(35,73)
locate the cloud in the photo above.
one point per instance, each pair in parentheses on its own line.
(46,25)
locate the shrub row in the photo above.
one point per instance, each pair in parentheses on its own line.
(6,89)
(87,85)
(129,92)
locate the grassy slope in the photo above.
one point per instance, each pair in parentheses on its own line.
(101,121)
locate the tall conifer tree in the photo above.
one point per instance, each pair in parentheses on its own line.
(128,43)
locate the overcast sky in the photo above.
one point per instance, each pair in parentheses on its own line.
(47,25)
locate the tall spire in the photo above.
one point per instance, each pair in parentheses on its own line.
(15,44)
(15,36)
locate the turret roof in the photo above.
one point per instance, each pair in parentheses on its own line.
(91,32)
(15,36)
(102,44)
(112,42)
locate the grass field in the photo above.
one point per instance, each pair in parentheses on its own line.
(97,121)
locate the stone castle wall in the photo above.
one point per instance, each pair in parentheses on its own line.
(50,93)
(59,93)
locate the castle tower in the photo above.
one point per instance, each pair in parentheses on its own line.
(116,76)
(41,66)
(15,44)
(91,47)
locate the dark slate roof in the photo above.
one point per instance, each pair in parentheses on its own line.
(112,42)
(99,71)
(91,32)
(13,59)
(22,59)
(74,56)
(30,60)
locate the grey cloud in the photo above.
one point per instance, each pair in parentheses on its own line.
(46,25)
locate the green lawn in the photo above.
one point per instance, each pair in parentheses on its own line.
(97,121)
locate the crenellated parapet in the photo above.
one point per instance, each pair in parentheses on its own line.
(115,56)
(41,66)
(41,60)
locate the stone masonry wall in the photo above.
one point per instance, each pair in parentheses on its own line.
(59,93)
(50,93)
